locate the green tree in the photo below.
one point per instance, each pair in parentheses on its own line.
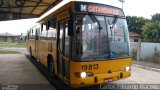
(135,23)
(156,17)
(151,31)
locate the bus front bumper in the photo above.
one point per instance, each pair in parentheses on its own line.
(100,79)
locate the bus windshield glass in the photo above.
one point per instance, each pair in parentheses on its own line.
(90,42)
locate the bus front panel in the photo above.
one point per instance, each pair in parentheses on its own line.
(99,72)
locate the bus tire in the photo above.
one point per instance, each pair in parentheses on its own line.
(51,66)
(30,51)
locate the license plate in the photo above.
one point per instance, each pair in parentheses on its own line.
(108,80)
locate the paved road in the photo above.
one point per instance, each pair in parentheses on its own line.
(18,69)
(141,76)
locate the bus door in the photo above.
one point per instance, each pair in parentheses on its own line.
(63,50)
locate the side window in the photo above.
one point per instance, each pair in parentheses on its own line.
(37,32)
(66,39)
(60,37)
(43,34)
(29,34)
(34,33)
(135,39)
(52,30)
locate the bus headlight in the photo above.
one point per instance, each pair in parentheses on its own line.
(83,74)
(128,68)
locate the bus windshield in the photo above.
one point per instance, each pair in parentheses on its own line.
(93,43)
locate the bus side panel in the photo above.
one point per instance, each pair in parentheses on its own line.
(43,52)
(53,53)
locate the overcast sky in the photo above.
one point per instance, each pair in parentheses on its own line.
(144,8)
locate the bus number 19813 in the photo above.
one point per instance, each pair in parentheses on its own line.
(89,67)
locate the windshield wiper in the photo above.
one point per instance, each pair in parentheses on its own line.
(113,23)
(110,27)
(95,20)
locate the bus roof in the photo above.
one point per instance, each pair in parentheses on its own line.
(83,7)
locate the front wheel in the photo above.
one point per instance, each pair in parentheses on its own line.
(51,67)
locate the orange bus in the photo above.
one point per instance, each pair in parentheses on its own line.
(83,43)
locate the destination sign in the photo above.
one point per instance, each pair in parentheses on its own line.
(98,8)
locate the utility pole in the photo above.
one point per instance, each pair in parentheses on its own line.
(122,1)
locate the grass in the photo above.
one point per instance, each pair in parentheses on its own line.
(14,45)
(9,52)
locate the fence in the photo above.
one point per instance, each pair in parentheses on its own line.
(146,49)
